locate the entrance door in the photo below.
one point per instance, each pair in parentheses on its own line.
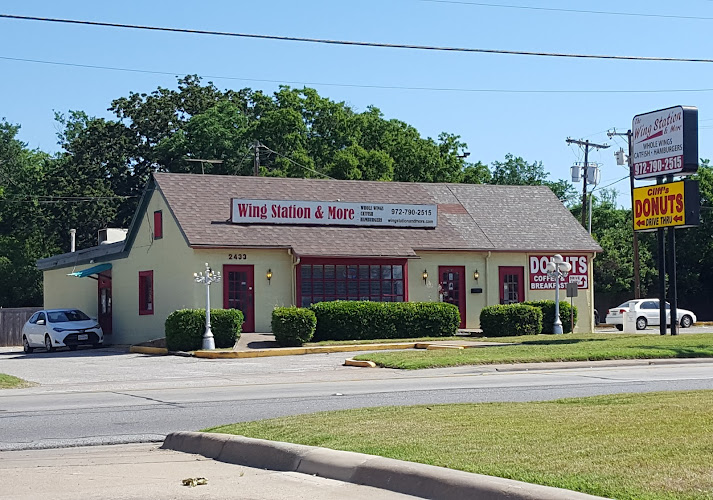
(239,293)
(104,305)
(451,288)
(512,285)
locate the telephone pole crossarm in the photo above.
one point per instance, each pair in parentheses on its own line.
(586,145)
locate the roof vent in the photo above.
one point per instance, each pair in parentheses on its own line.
(111,235)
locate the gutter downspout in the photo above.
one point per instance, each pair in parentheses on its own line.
(487,276)
(295,262)
(590,295)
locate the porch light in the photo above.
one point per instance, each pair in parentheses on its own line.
(476,275)
(268,275)
(425,276)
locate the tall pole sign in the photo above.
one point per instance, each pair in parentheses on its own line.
(664,144)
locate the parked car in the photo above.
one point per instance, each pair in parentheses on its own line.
(53,328)
(647,313)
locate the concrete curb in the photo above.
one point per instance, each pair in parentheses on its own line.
(139,349)
(291,351)
(361,364)
(424,481)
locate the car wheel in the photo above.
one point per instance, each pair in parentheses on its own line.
(620,328)
(641,323)
(686,322)
(48,344)
(27,349)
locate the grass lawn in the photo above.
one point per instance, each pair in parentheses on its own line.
(387,341)
(10,382)
(542,348)
(631,446)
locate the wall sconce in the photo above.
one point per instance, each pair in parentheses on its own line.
(425,276)
(268,275)
(476,275)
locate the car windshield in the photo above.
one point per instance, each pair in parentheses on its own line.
(65,316)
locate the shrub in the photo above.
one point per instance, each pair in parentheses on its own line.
(548,314)
(185,327)
(293,326)
(510,320)
(356,320)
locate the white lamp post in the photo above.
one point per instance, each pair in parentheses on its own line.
(209,277)
(558,269)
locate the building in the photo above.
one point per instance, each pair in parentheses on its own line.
(281,242)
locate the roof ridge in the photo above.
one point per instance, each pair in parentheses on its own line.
(471,215)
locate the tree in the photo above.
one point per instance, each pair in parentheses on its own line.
(515,171)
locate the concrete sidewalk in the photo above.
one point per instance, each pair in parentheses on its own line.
(140,471)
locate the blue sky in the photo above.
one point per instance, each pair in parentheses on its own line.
(486,113)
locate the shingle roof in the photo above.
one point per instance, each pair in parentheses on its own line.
(470,217)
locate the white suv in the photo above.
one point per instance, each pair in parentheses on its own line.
(647,313)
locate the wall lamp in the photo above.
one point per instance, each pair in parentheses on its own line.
(425,276)
(476,275)
(268,275)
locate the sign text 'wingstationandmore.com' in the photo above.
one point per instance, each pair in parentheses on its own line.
(332,213)
(673,204)
(539,280)
(665,142)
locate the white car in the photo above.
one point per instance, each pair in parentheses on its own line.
(54,328)
(647,313)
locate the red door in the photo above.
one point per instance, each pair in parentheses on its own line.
(512,285)
(104,304)
(239,293)
(451,288)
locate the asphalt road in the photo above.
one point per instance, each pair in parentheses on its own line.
(108,396)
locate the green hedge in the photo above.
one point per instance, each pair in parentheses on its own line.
(293,326)
(356,320)
(185,327)
(510,320)
(548,314)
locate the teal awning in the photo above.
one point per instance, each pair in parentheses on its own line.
(91,270)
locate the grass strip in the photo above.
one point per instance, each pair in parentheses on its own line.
(10,382)
(544,348)
(655,446)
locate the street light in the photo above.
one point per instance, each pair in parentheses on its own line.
(557,268)
(209,277)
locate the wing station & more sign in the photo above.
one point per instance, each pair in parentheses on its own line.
(664,145)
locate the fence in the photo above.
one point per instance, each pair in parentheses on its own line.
(11,321)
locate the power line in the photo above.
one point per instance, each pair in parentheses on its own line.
(351,42)
(296,163)
(571,11)
(364,86)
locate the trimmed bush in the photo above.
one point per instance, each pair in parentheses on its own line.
(293,326)
(510,320)
(358,320)
(548,314)
(185,327)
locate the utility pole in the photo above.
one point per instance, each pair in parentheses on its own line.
(586,145)
(256,163)
(637,276)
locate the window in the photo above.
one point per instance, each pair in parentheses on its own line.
(145,292)
(34,318)
(375,281)
(650,304)
(157,225)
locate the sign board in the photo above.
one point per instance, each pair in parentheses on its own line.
(665,142)
(332,213)
(673,204)
(539,280)
(572,289)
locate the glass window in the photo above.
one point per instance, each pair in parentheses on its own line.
(157,224)
(363,281)
(145,292)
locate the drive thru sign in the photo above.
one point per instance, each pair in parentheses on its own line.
(673,204)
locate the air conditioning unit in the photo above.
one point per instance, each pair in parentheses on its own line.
(111,235)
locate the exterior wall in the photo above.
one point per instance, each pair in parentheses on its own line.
(61,290)
(487,264)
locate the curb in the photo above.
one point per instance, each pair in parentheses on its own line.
(420,480)
(291,351)
(139,349)
(362,364)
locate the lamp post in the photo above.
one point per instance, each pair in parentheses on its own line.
(558,269)
(209,277)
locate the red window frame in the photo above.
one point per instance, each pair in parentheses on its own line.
(362,278)
(146,303)
(158,224)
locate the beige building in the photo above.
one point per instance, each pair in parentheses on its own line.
(280,242)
